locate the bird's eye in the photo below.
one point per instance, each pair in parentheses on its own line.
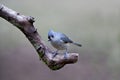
(52,36)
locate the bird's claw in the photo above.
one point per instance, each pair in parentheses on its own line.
(65,55)
(54,54)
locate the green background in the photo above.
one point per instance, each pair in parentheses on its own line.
(93,23)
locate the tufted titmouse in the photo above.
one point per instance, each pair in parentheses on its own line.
(60,41)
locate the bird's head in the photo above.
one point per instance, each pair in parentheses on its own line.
(50,35)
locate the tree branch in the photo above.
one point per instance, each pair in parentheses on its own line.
(25,24)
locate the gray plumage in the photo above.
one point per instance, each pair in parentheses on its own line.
(59,40)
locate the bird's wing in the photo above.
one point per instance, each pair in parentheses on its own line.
(65,38)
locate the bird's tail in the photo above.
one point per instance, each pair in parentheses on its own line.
(77,44)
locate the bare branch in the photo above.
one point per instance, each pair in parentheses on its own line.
(25,24)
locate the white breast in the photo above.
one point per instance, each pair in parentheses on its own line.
(59,45)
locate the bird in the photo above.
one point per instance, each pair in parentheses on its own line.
(59,41)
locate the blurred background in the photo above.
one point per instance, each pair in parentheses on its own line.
(93,23)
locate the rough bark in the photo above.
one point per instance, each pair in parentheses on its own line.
(25,24)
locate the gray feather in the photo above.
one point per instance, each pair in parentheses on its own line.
(66,39)
(77,44)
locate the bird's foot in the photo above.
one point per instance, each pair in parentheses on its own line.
(65,55)
(55,54)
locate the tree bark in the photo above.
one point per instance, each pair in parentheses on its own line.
(25,24)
